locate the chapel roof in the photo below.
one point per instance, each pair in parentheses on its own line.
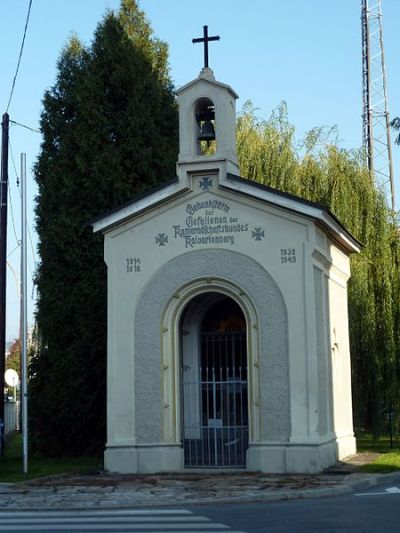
(207,75)
(172,189)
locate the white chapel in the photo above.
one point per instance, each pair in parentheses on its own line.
(228,341)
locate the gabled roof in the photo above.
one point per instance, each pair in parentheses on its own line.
(207,76)
(289,202)
(296,204)
(126,206)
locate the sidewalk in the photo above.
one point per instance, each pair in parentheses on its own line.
(105,491)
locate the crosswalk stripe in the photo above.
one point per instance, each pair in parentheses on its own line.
(78,512)
(85,519)
(129,520)
(119,527)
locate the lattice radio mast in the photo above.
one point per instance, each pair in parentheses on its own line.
(376,123)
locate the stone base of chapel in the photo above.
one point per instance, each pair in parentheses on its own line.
(261,457)
(346,445)
(146,459)
(298,458)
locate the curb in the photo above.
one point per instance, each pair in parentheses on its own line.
(351,483)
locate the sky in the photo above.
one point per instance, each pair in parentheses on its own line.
(306,53)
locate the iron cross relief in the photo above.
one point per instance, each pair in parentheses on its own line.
(205,39)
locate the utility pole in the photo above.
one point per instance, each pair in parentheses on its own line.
(376,121)
(24,330)
(3,264)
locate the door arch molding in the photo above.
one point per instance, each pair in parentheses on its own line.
(162,297)
(171,352)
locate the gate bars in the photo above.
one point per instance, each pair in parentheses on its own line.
(215,412)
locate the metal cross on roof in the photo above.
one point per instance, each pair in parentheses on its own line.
(205,39)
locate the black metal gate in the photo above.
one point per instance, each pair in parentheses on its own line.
(215,413)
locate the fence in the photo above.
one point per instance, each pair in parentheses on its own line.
(11,416)
(215,419)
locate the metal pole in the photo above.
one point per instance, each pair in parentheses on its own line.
(376,122)
(24,318)
(364,77)
(370,133)
(3,264)
(388,140)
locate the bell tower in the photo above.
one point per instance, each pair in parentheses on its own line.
(207,123)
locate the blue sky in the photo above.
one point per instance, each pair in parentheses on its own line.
(307,53)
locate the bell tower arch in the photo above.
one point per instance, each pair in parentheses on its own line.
(205,117)
(207,113)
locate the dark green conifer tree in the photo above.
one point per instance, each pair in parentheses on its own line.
(110,131)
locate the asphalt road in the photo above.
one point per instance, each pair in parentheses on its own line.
(376,510)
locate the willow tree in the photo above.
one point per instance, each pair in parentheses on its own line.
(318,170)
(395,123)
(109,128)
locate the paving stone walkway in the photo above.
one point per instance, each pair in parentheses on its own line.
(126,491)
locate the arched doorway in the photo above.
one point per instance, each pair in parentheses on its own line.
(214,390)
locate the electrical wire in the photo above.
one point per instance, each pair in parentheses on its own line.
(9,193)
(24,126)
(13,250)
(29,232)
(13,162)
(20,55)
(12,217)
(32,248)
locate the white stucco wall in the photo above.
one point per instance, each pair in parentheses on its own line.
(296,280)
(340,351)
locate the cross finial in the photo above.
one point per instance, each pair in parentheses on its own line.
(205,39)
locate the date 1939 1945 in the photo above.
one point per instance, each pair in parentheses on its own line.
(288,255)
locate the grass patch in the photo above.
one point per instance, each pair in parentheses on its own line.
(11,463)
(389,461)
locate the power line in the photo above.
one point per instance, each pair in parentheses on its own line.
(12,216)
(24,126)
(13,250)
(32,248)
(9,193)
(13,162)
(20,55)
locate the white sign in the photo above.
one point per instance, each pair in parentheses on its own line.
(215,422)
(11,377)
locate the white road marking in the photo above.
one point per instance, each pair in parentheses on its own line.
(156,520)
(390,490)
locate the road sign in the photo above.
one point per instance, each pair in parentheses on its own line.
(11,377)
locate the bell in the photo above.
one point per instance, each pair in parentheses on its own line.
(207,132)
